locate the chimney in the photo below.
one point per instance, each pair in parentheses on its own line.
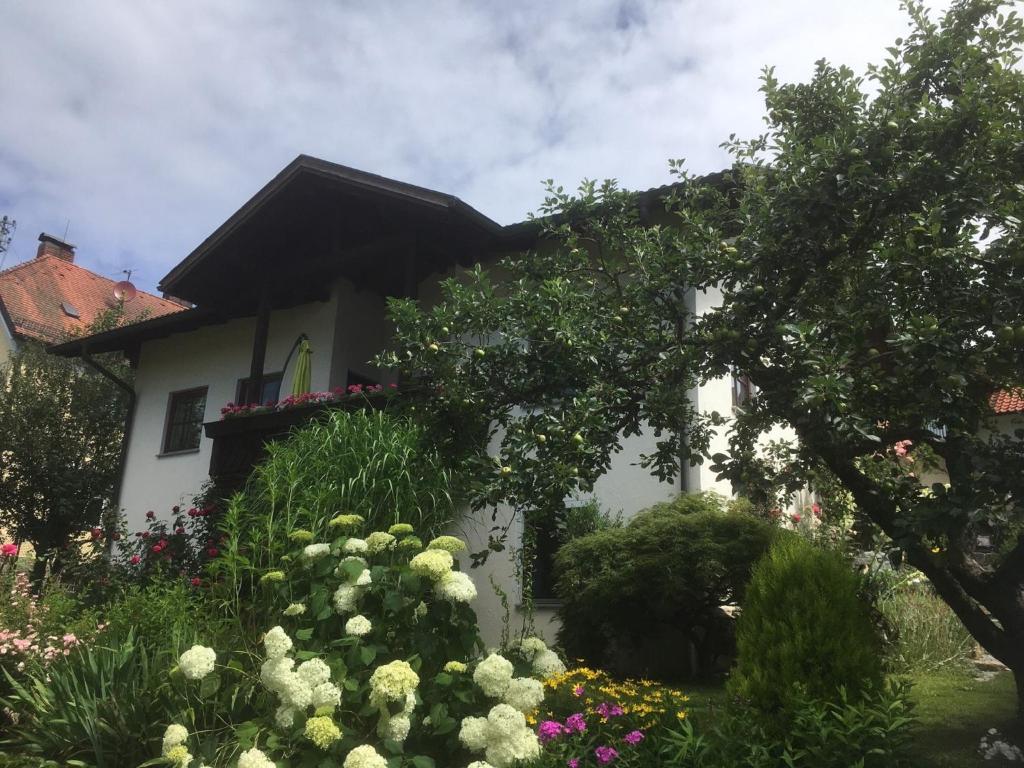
(51,246)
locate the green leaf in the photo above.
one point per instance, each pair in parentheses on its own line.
(209,685)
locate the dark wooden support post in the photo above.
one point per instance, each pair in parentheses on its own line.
(259,346)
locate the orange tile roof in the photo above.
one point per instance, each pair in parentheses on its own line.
(1008,401)
(31,295)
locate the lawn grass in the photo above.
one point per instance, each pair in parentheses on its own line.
(955,710)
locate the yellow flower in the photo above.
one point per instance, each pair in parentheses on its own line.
(322,731)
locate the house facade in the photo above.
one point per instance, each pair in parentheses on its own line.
(314,255)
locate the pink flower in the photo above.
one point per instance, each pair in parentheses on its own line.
(606,710)
(633,737)
(796,517)
(179,530)
(816,509)
(900,448)
(212,551)
(578,691)
(96,533)
(550,729)
(9,550)
(576,723)
(605,755)
(574,762)
(135,560)
(151,515)
(196,581)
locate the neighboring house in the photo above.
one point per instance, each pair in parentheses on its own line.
(1009,409)
(50,298)
(316,252)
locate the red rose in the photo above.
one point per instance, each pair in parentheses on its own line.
(196,581)
(151,515)
(135,560)
(795,517)
(212,551)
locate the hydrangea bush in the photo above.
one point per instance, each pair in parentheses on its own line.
(371,659)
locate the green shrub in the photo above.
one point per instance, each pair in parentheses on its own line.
(101,705)
(804,629)
(927,634)
(366,644)
(668,571)
(873,731)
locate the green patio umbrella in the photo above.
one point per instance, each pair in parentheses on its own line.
(301,377)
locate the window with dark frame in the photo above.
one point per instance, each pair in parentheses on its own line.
(184,426)
(270,391)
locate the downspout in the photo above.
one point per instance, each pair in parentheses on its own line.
(129,418)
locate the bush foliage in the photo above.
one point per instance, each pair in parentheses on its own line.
(670,569)
(804,629)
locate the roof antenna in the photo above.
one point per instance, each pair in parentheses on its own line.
(67,226)
(7,227)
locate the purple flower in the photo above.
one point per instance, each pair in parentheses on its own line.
(606,710)
(574,762)
(605,755)
(578,690)
(633,737)
(550,729)
(575,723)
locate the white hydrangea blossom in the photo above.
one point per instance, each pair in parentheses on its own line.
(197,662)
(395,728)
(456,587)
(284,717)
(493,675)
(277,643)
(358,626)
(474,733)
(364,579)
(354,546)
(392,682)
(345,598)
(313,672)
(254,758)
(451,544)
(295,609)
(316,551)
(326,695)
(363,756)
(547,664)
(173,736)
(503,735)
(433,564)
(531,646)
(378,542)
(524,694)
(479,764)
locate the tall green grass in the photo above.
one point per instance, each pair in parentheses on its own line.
(928,635)
(368,463)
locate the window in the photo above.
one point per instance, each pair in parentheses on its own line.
(542,580)
(184,425)
(269,392)
(743,390)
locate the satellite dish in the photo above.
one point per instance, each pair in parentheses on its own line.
(124,291)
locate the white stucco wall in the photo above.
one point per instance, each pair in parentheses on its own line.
(216,357)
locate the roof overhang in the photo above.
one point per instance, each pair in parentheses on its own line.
(127,338)
(311,203)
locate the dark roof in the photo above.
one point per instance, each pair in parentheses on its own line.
(357,180)
(129,336)
(49,299)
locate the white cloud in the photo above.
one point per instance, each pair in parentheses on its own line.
(147,124)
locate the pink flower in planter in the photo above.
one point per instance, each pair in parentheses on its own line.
(151,515)
(179,530)
(9,550)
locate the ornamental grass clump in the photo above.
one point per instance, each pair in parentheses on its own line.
(804,630)
(380,666)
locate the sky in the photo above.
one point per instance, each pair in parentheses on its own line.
(138,128)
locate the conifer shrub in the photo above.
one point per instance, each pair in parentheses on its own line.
(804,630)
(664,575)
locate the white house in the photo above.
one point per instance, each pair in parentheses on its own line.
(315,252)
